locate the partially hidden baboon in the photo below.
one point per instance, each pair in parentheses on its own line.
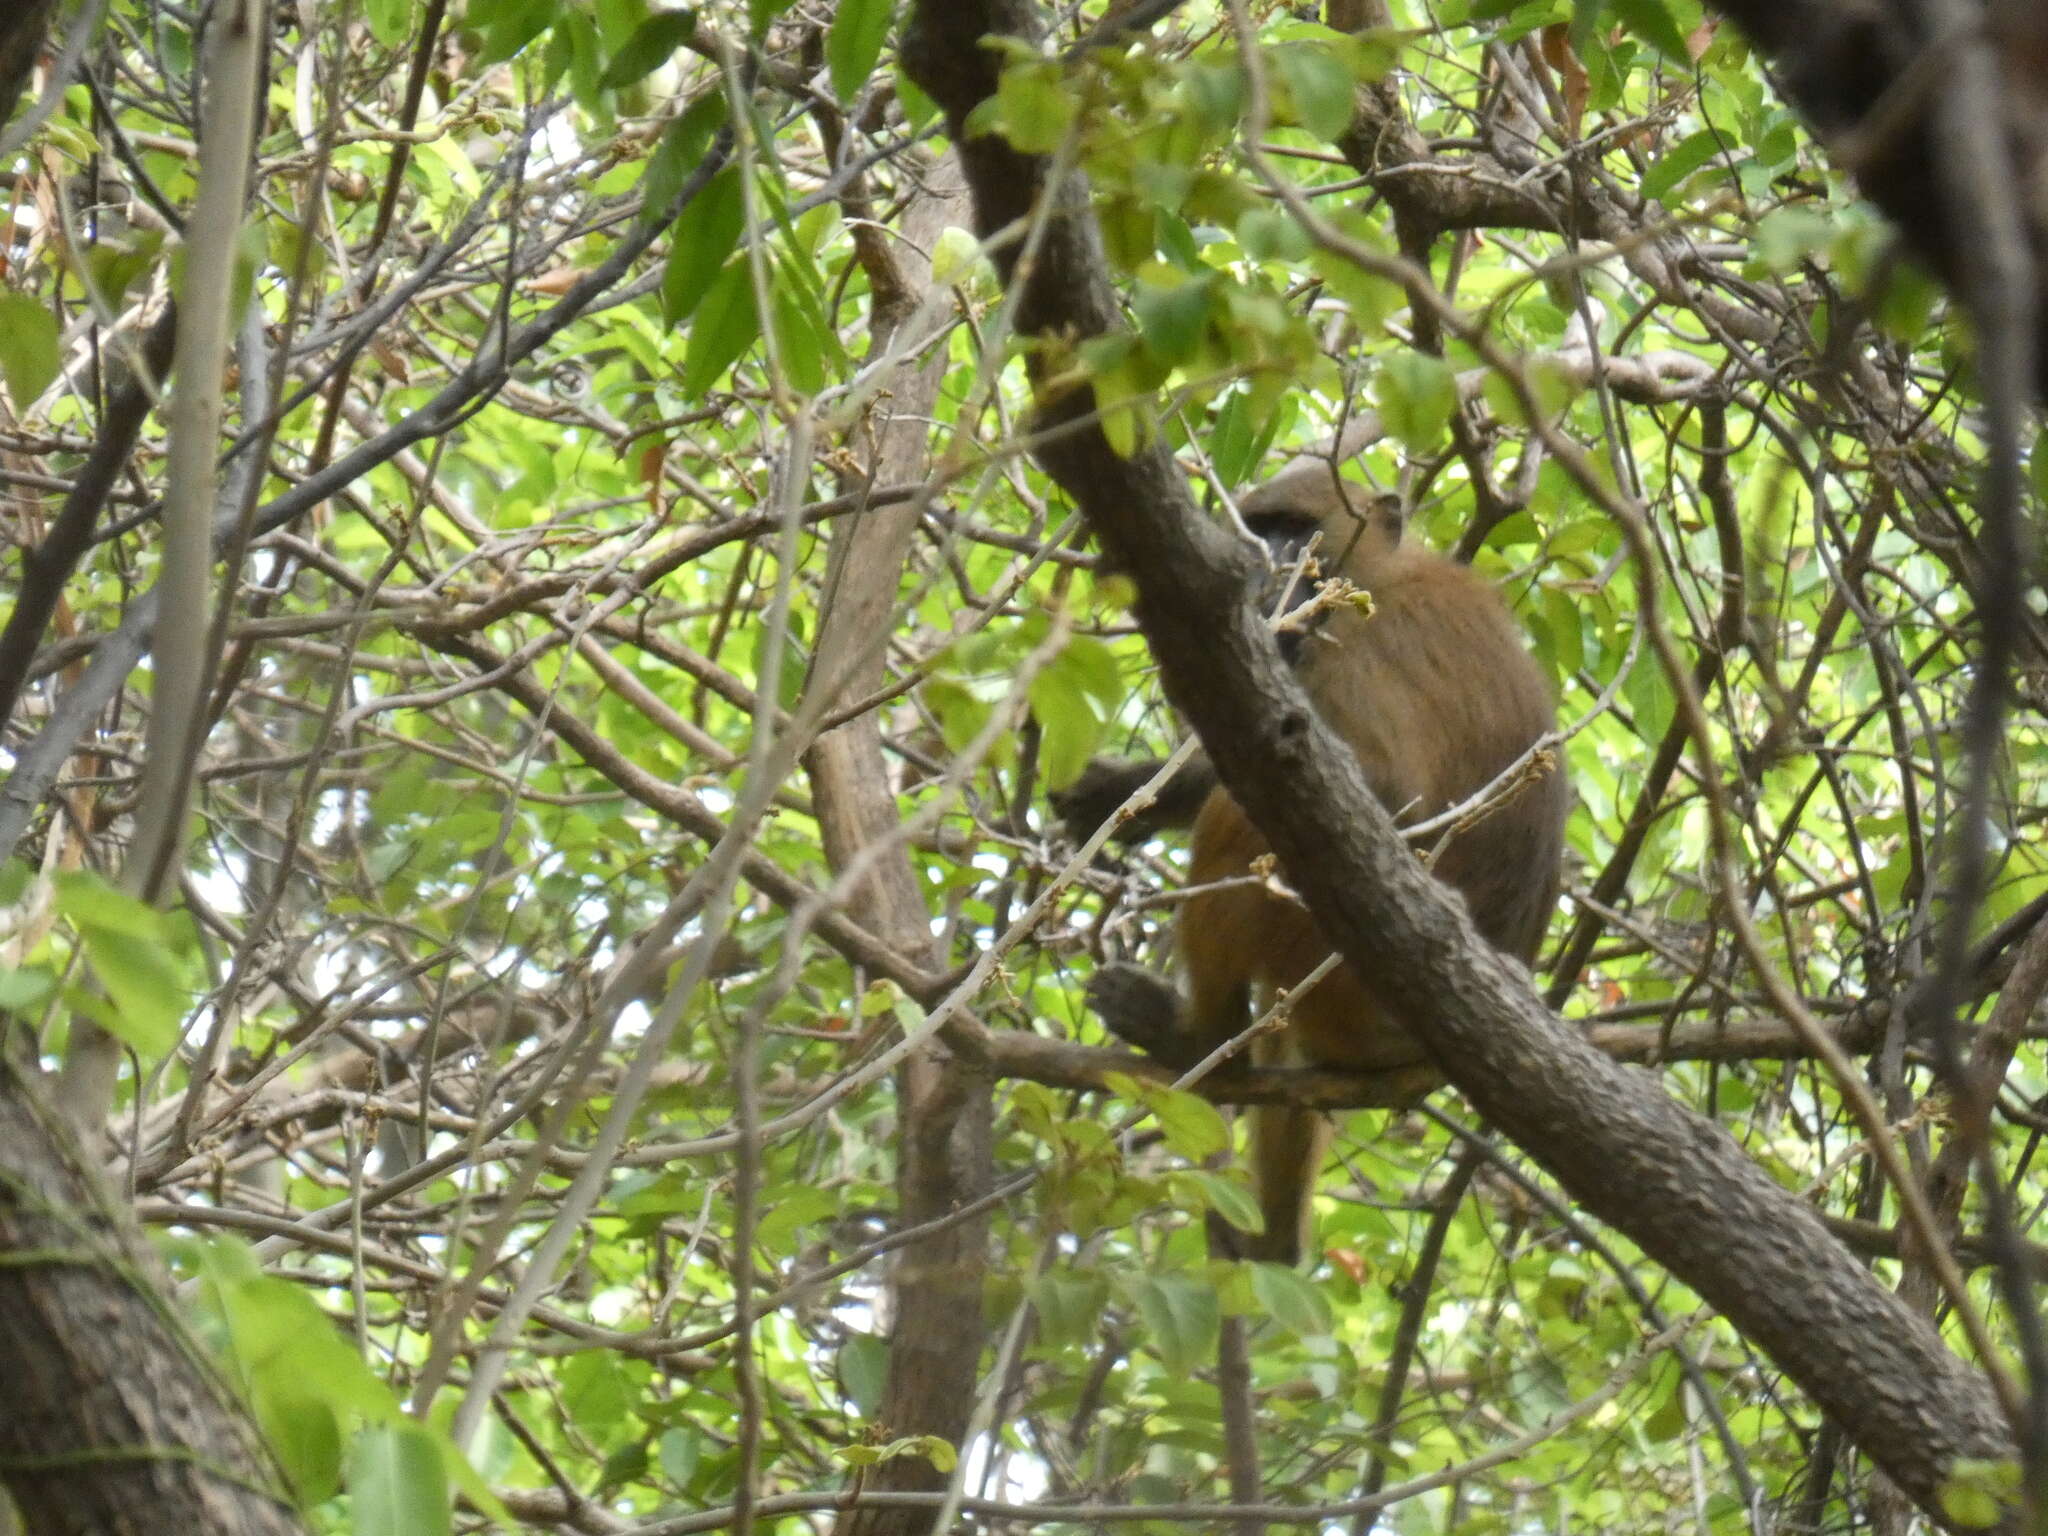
(1433,690)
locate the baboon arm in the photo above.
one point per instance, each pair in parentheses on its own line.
(1107,782)
(1142,1009)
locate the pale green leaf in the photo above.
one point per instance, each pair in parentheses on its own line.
(854,43)
(727,326)
(29,356)
(1290,1300)
(397,1484)
(704,236)
(652,45)
(1416,394)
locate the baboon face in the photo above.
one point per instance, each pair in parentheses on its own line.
(1348,532)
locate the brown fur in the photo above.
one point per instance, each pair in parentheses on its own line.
(1436,695)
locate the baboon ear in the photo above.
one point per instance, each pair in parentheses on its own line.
(1388,517)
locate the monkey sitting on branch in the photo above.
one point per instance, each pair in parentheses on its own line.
(1431,687)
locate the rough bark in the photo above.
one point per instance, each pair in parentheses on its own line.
(112,1423)
(944,1104)
(1670,1179)
(21,39)
(1865,76)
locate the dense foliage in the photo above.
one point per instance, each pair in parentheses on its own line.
(513,1005)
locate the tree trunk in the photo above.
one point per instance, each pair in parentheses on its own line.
(112,1423)
(944,1106)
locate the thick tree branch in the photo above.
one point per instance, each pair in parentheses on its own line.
(46,568)
(1064,1064)
(936,1343)
(1867,83)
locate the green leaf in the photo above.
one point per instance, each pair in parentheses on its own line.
(448,156)
(1651,21)
(646,1200)
(278,1341)
(1229,1195)
(29,355)
(793,1209)
(1214,198)
(1977,1494)
(397,1484)
(1271,234)
(1580,537)
(1372,55)
(1665,1421)
(934,1449)
(508,25)
(1069,1306)
(791,683)
(625,1465)
(859,28)
(1032,108)
(1094,666)
(1787,236)
(684,144)
(25,989)
(1685,158)
(1906,306)
(1130,230)
(1585,24)
(617,20)
(1216,93)
(1372,299)
(918,108)
(573,50)
(724,330)
(653,43)
(302,1429)
(1194,1128)
(863,1371)
(1122,397)
(284,1352)
(1291,1301)
(1070,728)
(146,990)
(138,954)
(88,901)
(600,1391)
(1319,86)
(308,1440)
(960,714)
(703,237)
(1174,320)
(1416,394)
(1181,1318)
(390,20)
(1649,696)
(1565,630)
(956,256)
(760,13)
